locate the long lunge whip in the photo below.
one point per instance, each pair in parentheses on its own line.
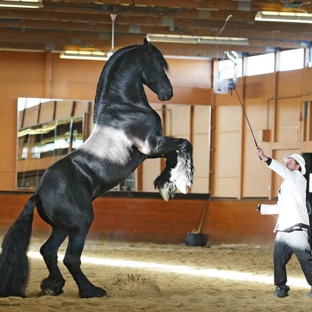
(240,101)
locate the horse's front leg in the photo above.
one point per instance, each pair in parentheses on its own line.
(166,187)
(179,169)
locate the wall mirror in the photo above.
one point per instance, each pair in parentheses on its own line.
(49,129)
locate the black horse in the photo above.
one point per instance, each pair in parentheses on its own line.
(126,132)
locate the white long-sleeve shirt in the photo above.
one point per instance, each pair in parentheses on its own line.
(291,205)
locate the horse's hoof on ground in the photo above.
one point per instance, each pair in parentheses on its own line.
(48,292)
(97,292)
(164,193)
(182,186)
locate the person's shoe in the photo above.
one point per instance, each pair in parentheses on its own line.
(308,295)
(280,292)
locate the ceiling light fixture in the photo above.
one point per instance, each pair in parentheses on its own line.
(196,39)
(290,17)
(91,54)
(30,4)
(84,55)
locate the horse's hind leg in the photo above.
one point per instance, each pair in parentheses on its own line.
(53,284)
(72,262)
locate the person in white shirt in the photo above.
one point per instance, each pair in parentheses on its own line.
(292,227)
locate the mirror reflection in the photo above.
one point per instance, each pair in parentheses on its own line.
(49,129)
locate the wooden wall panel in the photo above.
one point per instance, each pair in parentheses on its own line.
(185,96)
(291,83)
(28,67)
(258,87)
(288,120)
(227,152)
(154,220)
(305,81)
(180,121)
(181,74)
(151,170)
(76,72)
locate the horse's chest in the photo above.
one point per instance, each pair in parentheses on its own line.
(108,144)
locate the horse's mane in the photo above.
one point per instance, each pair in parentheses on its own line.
(125,61)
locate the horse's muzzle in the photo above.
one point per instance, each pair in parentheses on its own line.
(165,95)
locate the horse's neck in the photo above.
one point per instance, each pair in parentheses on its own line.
(119,89)
(121,100)
(129,89)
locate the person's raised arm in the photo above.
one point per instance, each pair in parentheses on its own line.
(261,154)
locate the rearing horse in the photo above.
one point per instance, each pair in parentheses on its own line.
(126,132)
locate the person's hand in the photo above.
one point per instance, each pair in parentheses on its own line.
(258,207)
(260,153)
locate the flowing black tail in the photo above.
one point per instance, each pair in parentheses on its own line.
(14,268)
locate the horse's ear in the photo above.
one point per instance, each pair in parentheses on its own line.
(146,42)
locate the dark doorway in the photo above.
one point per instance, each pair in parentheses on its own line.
(308,159)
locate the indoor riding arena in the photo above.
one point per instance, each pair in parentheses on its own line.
(151,245)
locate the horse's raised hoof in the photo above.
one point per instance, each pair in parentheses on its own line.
(49,292)
(182,186)
(164,193)
(93,293)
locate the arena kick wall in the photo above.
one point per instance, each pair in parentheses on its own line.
(154,220)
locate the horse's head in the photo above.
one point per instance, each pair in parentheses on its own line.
(123,74)
(154,72)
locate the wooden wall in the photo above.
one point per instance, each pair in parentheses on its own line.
(45,75)
(154,220)
(273,103)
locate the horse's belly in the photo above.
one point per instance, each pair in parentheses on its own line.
(107,169)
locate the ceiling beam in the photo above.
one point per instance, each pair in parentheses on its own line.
(57,42)
(86,23)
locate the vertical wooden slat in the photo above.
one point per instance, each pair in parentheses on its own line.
(39,112)
(139,178)
(73,108)
(242,142)
(192,124)
(48,75)
(309,121)
(164,123)
(87,121)
(54,109)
